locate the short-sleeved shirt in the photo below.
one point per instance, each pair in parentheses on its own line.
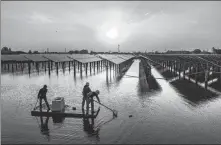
(92,94)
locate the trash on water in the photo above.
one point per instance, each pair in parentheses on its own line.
(130,115)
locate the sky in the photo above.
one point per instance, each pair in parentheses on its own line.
(102,25)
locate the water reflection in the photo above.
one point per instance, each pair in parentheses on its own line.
(58,119)
(89,124)
(165,113)
(144,91)
(44,127)
(195,99)
(192,93)
(89,128)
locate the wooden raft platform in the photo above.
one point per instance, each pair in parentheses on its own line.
(63,114)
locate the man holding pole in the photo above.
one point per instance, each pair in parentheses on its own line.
(90,100)
(42,95)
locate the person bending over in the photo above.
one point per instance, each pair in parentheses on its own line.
(42,95)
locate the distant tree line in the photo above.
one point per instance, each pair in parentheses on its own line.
(216,51)
(83,51)
(34,52)
(6,50)
(195,51)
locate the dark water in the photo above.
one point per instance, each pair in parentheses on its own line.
(161,116)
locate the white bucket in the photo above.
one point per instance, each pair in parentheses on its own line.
(58,104)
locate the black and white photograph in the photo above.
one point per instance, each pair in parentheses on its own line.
(110,72)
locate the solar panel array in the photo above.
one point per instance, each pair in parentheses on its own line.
(16,58)
(115,58)
(205,59)
(83,58)
(57,57)
(36,58)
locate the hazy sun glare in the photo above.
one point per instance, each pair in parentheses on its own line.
(112,33)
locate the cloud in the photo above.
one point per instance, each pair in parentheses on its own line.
(39,18)
(140,24)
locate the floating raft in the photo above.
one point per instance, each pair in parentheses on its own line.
(63,114)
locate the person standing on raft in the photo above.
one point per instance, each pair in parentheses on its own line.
(85,91)
(90,99)
(42,95)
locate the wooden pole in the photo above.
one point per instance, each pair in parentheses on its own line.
(86,68)
(119,68)
(220,75)
(78,64)
(74,68)
(69,66)
(52,65)
(196,75)
(81,69)
(63,67)
(56,68)
(16,65)
(29,68)
(174,68)
(206,76)
(22,68)
(110,68)
(38,67)
(8,67)
(94,66)
(189,71)
(97,66)
(12,68)
(106,71)
(184,72)
(45,66)
(90,67)
(49,68)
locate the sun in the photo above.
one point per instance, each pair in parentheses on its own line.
(112,33)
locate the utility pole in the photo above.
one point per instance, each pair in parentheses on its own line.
(118,48)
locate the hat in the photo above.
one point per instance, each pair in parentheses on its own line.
(97,91)
(45,86)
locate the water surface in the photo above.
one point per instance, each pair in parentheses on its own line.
(161,116)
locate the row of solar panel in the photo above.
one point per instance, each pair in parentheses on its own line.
(83,58)
(117,58)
